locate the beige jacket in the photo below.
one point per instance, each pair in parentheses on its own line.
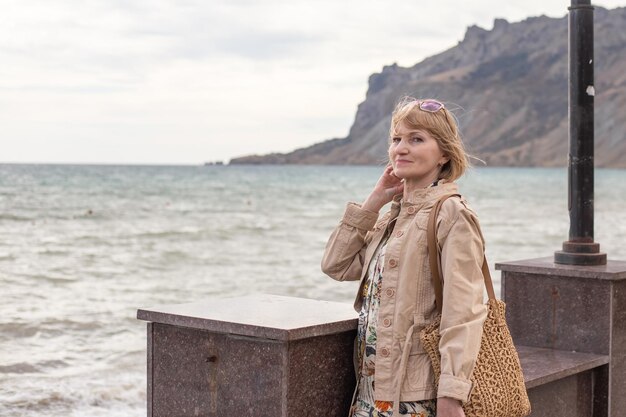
(407,305)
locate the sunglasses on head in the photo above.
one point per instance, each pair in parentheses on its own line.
(431,106)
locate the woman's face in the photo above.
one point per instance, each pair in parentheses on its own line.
(415,155)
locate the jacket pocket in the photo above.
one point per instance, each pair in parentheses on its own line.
(421,220)
(418,237)
(419,373)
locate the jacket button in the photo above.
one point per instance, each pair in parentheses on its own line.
(393,263)
(411,210)
(389,292)
(399,233)
(387,322)
(384,352)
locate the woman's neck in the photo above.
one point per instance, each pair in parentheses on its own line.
(412,185)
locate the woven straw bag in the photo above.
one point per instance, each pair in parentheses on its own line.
(498,383)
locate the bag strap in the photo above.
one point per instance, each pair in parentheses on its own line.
(434,256)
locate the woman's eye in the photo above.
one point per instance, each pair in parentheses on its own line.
(395,140)
(417,139)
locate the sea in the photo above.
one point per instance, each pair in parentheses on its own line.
(82,247)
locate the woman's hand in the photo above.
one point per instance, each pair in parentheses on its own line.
(449,407)
(387,186)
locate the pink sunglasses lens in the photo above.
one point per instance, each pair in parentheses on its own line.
(431,106)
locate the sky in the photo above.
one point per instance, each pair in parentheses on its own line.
(185,81)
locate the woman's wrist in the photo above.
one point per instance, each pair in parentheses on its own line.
(449,407)
(373,202)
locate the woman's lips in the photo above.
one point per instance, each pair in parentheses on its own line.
(402,161)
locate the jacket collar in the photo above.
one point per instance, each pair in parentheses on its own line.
(424,196)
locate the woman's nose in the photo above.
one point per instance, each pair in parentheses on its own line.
(401,148)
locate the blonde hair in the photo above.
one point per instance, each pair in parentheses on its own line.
(442,126)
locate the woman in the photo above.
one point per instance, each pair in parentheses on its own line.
(396,298)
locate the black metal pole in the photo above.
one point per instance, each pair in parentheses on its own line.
(580,249)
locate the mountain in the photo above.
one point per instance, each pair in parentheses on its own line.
(508,88)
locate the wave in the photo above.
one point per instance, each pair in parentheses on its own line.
(19,368)
(49,327)
(52,252)
(49,278)
(6,256)
(29,368)
(44,217)
(165,234)
(13,330)
(15,217)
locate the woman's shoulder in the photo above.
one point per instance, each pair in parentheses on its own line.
(455,207)
(457,214)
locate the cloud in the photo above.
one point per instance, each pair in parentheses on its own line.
(171,80)
(264,45)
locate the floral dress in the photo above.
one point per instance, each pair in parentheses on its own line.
(365,405)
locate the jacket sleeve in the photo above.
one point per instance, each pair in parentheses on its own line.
(463,312)
(345,250)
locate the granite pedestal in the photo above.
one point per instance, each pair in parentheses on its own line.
(577,309)
(280,356)
(250,356)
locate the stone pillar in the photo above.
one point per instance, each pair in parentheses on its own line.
(256,356)
(573,308)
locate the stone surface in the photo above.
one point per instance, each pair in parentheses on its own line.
(299,363)
(321,372)
(562,313)
(601,392)
(568,397)
(265,316)
(542,366)
(149,396)
(302,360)
(197,372)
(617,367)
(580,308)
(613,270)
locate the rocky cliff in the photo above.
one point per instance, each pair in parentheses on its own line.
(508,88)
